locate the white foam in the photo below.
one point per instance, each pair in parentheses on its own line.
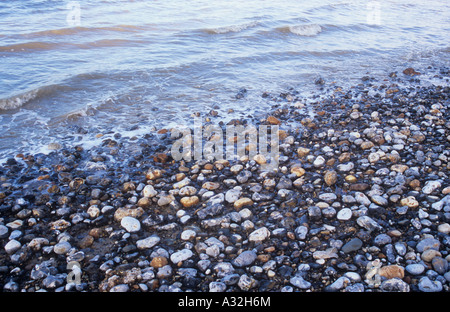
(232,28)
(18,100)
(309,30)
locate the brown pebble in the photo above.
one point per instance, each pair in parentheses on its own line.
(159,262)
(392,271)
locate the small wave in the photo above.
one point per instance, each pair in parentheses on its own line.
(24,98)
(308,30)
(18,100)
(230,29)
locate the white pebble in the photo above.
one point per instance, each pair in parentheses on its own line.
(12,246)
(130,224)
(344,214)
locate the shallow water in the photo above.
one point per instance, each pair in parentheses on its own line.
(124,65)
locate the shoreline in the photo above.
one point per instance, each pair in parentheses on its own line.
(360,203)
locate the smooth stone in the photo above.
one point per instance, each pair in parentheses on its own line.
(245,258)
(325,254)
(444,228)
(346,167)
(223,269)
(181,256)
(12,246)
(130,224)
(330,177)
(430,186)
(344,214)
(428,243)
(246,282)
(259,235)
(352,245)
(217,287)
(382,239)
(415,268)
(427,285)
(319,162)
(394,285)
(409,201)
(232,195)
(149,191)
(328,197)
(392,271)
(300,282)
(368,223)
(62,248)
(148,242)
(379,200)
(439,264)
(339,284)
(243,202)
(120,288)
(3,231)
(188,235)
(362,199)
(189,201)
(301,232)
(429,254)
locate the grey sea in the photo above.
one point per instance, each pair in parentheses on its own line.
(70,70)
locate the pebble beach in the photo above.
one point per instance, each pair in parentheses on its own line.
(359,202)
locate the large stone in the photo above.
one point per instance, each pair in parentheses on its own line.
(62,248)
(232,195)
(12,246)
(430,186)
(131,224)
(148,242)
(245,258)
(344,214)
(428,243)
(330,177)
(259,235)
(243,202)
(427,285)
(409,201)
(181,256)
(149,191)
(352,245)
(189,201)
(368,223)
(392,271)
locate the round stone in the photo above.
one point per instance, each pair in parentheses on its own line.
(149,191)
(415,268)
(344,214)
(188,235)
(352,245)
(12,246)
(427,285)
(148,242)
(259,234)
(62,248)
(181,256)
(245,258)
(130,224)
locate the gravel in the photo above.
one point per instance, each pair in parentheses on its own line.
(359,202)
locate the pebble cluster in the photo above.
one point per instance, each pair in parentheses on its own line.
(359,202)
